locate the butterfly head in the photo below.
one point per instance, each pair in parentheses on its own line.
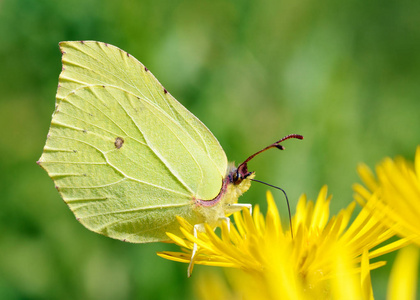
(237,175)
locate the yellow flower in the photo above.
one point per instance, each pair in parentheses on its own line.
(307,266)
(393,198)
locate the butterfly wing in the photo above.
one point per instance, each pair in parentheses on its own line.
(124,154)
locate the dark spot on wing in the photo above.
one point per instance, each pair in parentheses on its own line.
(119,141)
(128,54)
(165,91)
(146,69)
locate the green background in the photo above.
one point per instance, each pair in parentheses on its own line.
(345,74)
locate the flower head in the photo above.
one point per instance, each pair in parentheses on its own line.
(321,249)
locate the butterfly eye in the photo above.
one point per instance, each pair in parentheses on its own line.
(236,177)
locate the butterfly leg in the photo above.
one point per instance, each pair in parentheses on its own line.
(230,209)
(197,227)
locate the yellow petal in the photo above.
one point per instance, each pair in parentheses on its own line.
(367,176)
(367,292)
(403,280)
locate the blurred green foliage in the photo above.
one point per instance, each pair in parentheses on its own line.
(345,74)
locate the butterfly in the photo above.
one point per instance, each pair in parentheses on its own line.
(127,157)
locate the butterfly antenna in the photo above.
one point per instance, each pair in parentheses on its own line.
(243,167)
(287,200)
(274,145)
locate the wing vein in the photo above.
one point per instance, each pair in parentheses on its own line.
(133,210)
